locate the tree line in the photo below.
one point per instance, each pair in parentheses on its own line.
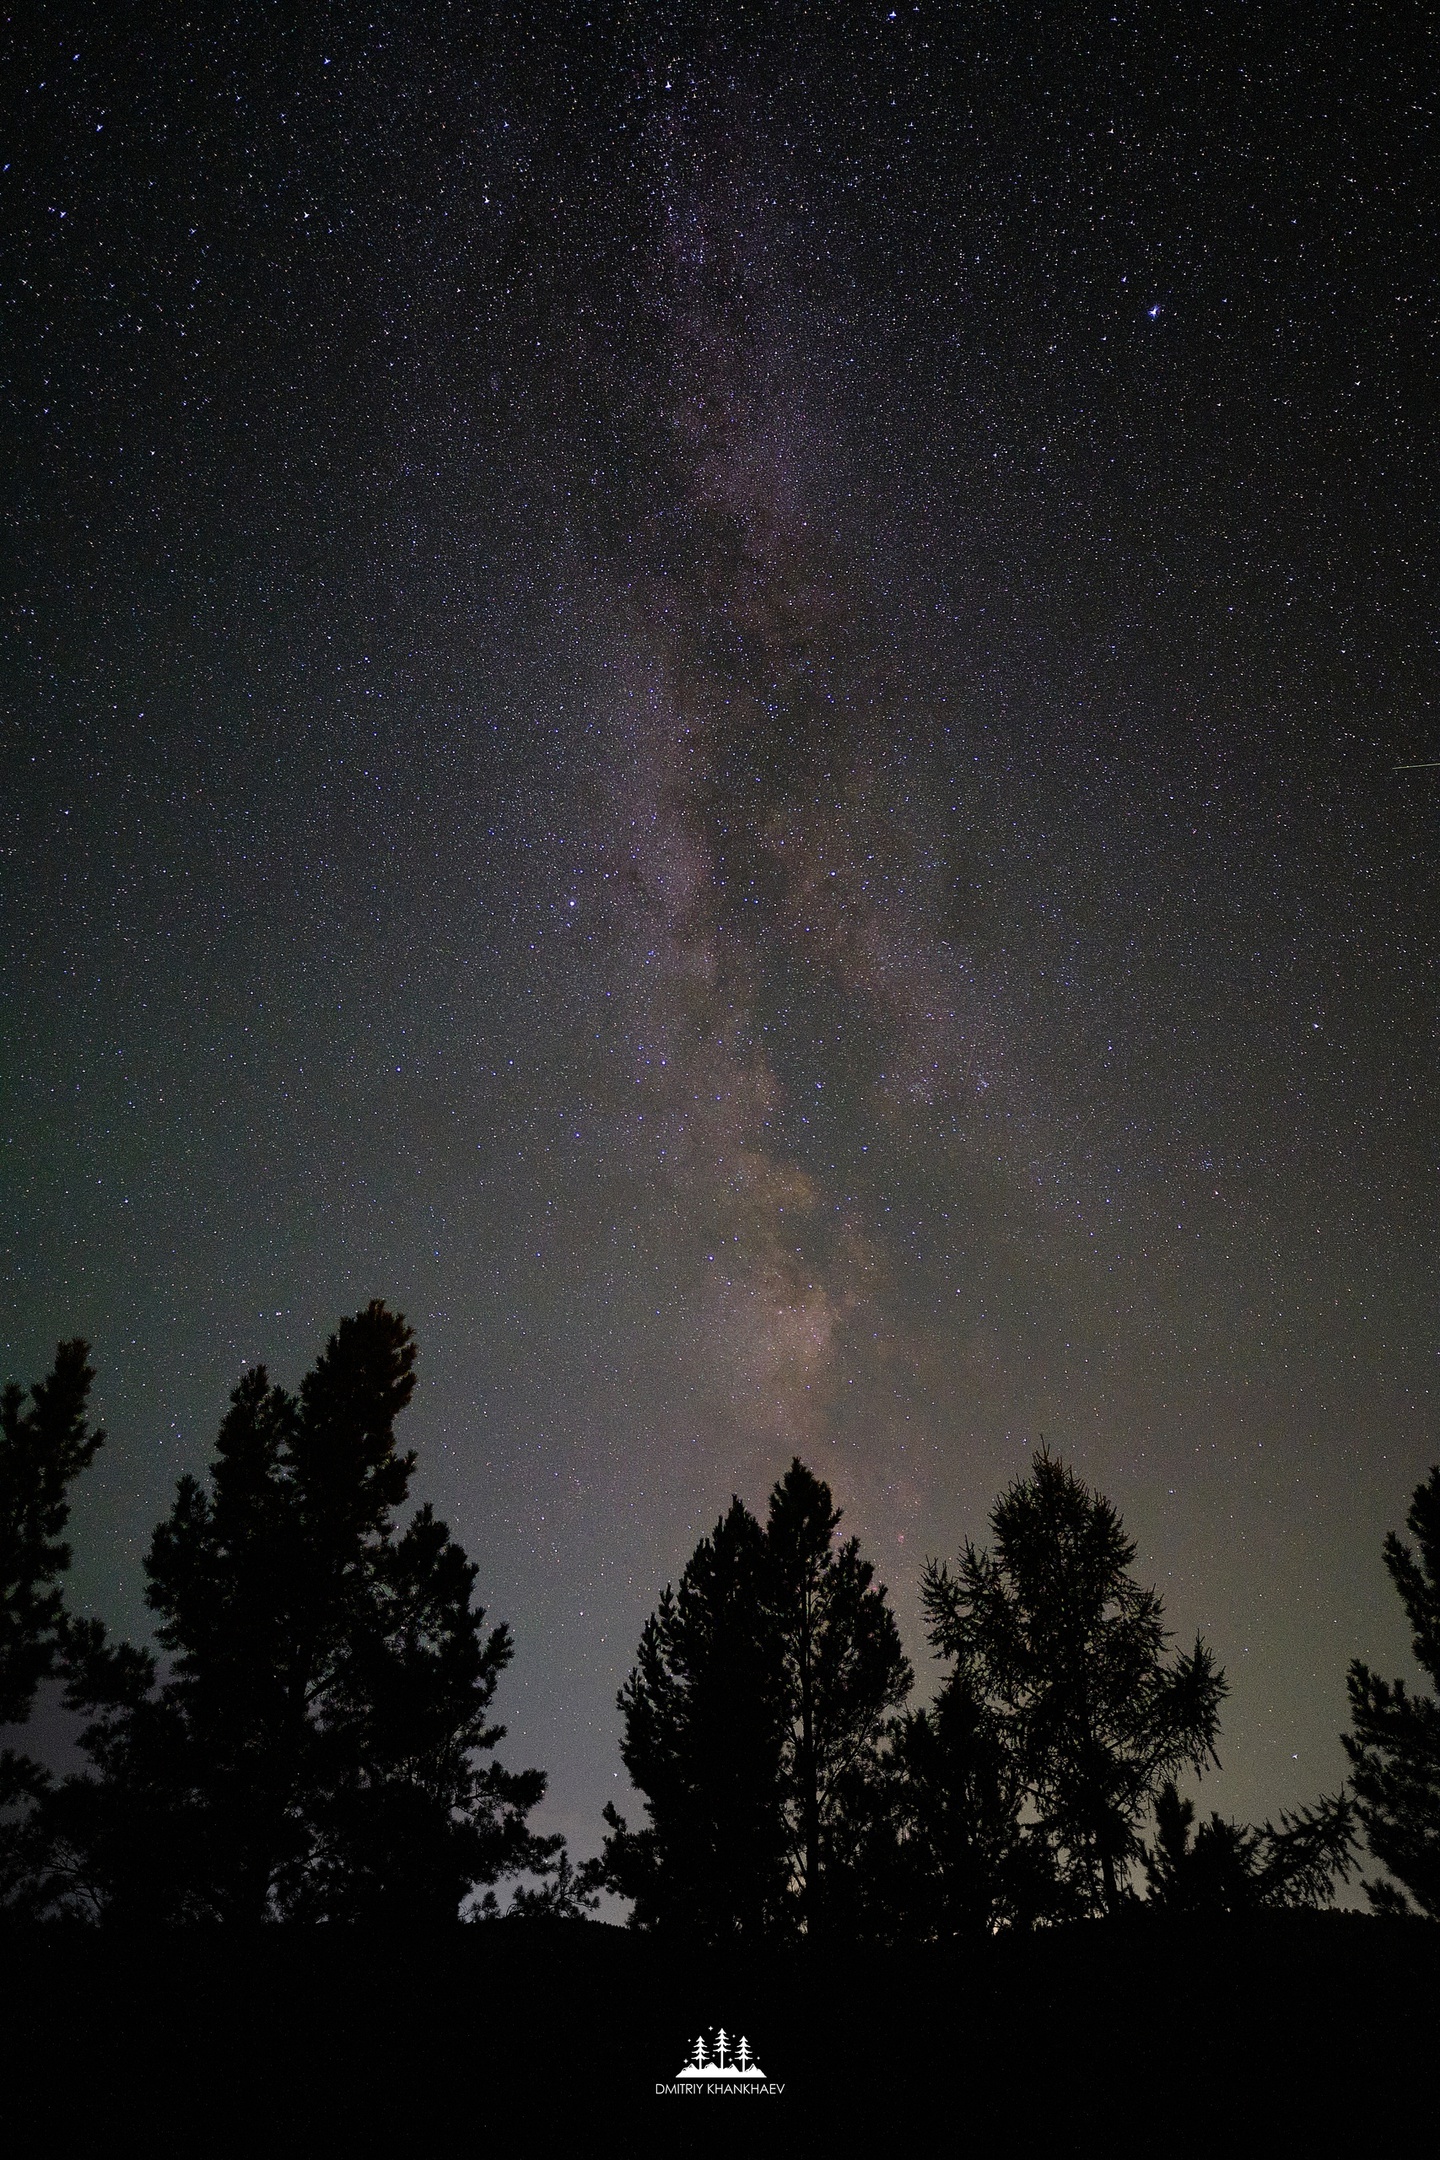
(313,1738)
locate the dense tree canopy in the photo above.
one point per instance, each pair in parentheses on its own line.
(961,1856)
(311,1737)
(1239,1867)
(787,1791)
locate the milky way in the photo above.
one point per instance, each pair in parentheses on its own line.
(718,704)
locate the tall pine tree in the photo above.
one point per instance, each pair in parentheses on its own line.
(703,1740)
(1066,1653)
(1394,1741)
(845,1678)
(45,1442)
(755,1723)
(316,1746)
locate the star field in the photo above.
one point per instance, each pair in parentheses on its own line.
(713,696)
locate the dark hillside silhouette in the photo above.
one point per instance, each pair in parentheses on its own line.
(1252,2034)
(1394,1741)
(315,1746)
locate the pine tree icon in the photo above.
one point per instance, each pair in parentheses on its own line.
(721,2058)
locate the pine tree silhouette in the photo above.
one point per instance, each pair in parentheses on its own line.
(1234,1867)
(703,1740)
(845,1677)
(1065,1654)
(44,1445)
(1394,1741)
(755,1724)
(317,1748)
(961,1858)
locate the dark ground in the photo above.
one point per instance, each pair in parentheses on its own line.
(1298,2033)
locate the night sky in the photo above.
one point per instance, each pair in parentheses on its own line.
(712,695)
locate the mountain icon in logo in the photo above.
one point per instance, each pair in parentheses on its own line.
(718,2058)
